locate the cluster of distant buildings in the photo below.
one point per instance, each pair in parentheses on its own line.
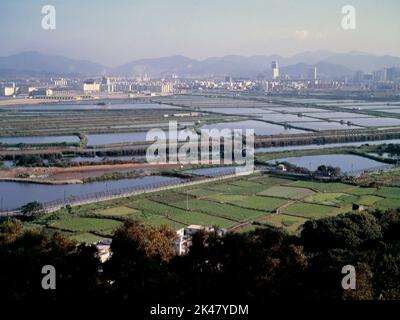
(69,89)
(386,78)
(277,81)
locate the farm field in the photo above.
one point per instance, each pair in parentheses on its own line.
(241,204)
(290,223)
(82,224)
(287,192)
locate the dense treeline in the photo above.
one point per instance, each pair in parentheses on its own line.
(255,266)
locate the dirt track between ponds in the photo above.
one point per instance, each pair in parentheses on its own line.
(74,174)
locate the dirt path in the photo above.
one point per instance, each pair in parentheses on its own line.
(283,207)
(74,174)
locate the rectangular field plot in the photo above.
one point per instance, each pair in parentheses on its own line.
(248,228)
(331,199)
(266,204)
(223,197)
(121,211)
(389,203)
(149,207)
(286,192)
(363,191)
(220,209)
(169,197)
(233,189)
(323,187)
(368,200)
(290,223)
(193,217)
(158,221)
(86,237)
(104,226)
(389,192)
(270,181)
(198,193)
(246,184)
(308,210)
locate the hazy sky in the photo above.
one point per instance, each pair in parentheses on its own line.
(115,32)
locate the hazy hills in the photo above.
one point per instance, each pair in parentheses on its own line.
(329,64)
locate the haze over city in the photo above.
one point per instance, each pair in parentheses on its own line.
(113,33)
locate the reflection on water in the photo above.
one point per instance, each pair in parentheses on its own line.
(346,162)
(16,194)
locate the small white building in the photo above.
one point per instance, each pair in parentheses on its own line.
(10,90)
(281,167)
(103,247)
(91,86)
(185,236)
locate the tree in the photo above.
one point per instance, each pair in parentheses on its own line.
(347,231)
(32,208)
(23,253)
(29,160)
(10,230)
(138,267)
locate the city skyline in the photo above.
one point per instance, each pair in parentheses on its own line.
(196,29)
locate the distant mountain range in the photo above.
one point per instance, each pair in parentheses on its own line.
(329,64)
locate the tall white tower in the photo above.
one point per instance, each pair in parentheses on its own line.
(275,70)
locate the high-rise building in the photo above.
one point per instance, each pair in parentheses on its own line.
(393,73)
(275,70)
(106,85)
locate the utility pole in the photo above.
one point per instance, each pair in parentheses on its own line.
(187,200)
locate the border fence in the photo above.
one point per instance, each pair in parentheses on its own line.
(88,198)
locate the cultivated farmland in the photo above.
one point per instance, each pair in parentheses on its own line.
(238,204)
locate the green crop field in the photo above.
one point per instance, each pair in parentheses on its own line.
(117,211)
(200,193)
(86,237)
(388,203)
(389,192)
(368,200)
(223,197)
(81,224)
(267,204)
(268,180)
(323,186)
(221,209)
(363,191)
(192,217)
(331,199)
(158,221)
(234,189)
(290,223)
(226,203)
(309,210)
(286,192)
(248,228)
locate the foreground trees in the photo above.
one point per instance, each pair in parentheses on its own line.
(23,253)
(256,266)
